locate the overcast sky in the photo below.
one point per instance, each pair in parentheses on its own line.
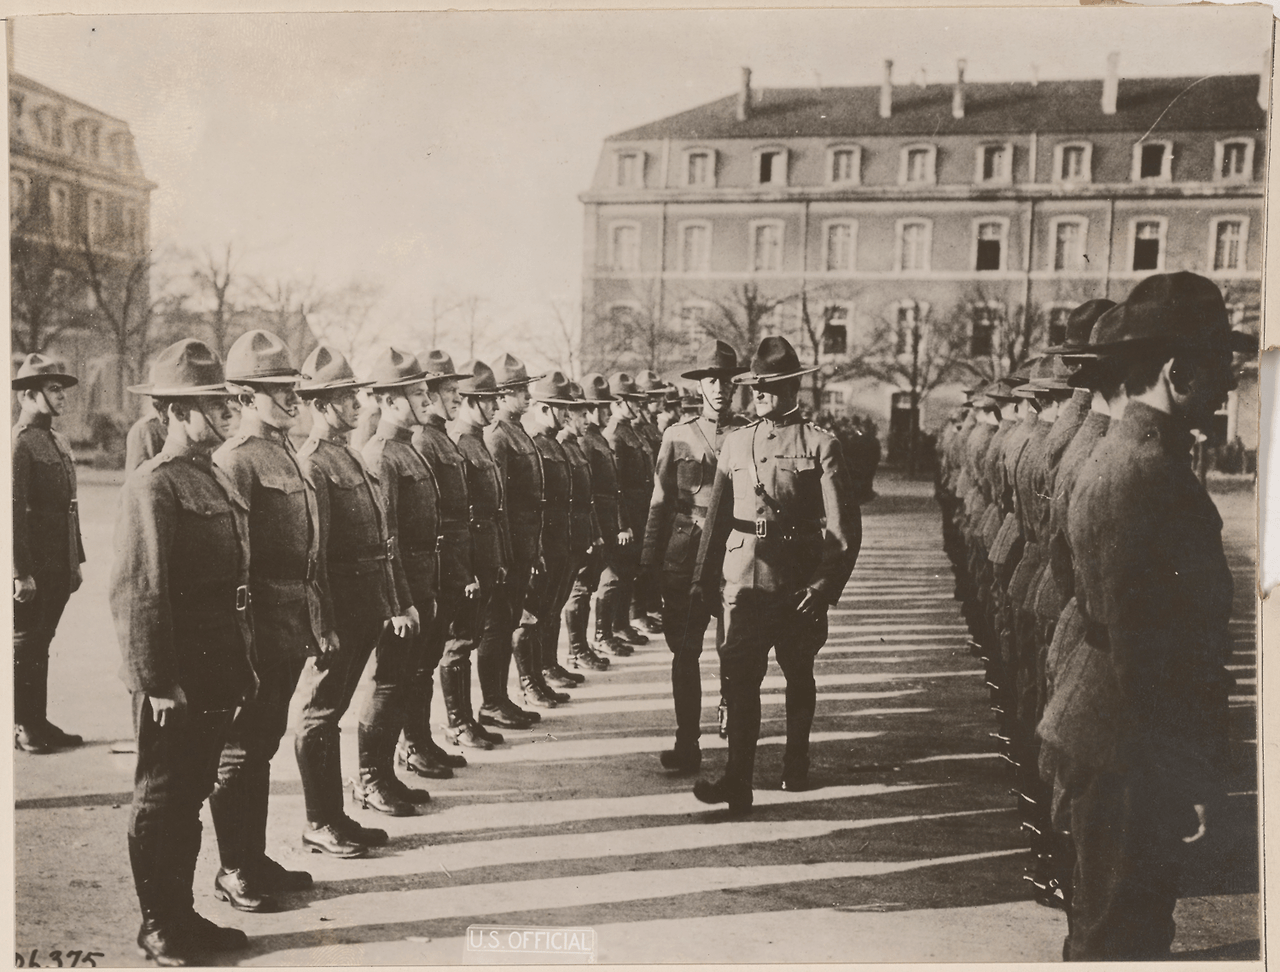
(443,153)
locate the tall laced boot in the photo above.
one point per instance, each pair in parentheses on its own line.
(580,653)
(495,710)
(801,703)
(206,935)
(371,791)
(481,732)
(455,685)
(163,936)
(415,752)
(605,640)
(524,646)
(549,642)
(623,630)
(542,657)
(734,787)
(686,691)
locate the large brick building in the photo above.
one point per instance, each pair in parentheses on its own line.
(959,220)
(79,211)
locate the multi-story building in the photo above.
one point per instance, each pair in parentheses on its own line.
(79,211)
(941,223)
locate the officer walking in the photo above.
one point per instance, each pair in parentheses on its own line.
(782,542)
(47,551)
(685,474)
(358,587)
(285,609)
(179,594)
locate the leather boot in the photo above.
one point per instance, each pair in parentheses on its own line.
(524,648)
(162,936)
(605,642)
(686,690)
(801,703)
(371,791)
(734,787)
(455,686)
(414,753)
(580,653)
(422,762)
(318,753)
(206,935)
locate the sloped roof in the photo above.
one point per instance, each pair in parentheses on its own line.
(1219,102)
(44,89)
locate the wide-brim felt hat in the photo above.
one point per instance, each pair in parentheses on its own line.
(184,369)
(622,385)
(478,380)
(579,400)
(38,368)
(261,358)
(716,359)
(1080,323)
(651,383)
(439,366)
(775,360)
(327,369)
(395,368)
(595,389)
(552,389)
(1181,311)
(510,373)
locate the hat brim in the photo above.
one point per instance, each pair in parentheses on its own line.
(279,378)
(1063,349)
(506,386)
(345,384)
(432,377)
(700,373)
(482,393)
(399,383)
(754,379)
(180,391)
(30,381)
(558,401)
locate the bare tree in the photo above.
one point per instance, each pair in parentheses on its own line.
(345,318)
(287,303)
(633,331)
(47,293)
(1001,339)
(214,274)
(741,314)
(123,301)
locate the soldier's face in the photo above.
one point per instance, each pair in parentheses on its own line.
(278,406)
(550,416)
(53,401)
(575,419)
(210,421)
(515,401)
(1212,377)
(770,399)
(345,410)
(419,403)
(714,393)
(446,398)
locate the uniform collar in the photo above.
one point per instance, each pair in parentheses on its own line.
(251,424)
(397,433)
(200,457)
(793,417)
(467,427)
(1141,421)
(435,421)
(36,420)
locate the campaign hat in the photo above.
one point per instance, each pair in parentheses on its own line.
(716,359)
(595,389)
(552,389)
(774,360)
(261,358)
(1080,324)
(511,373)
(622,385)
(39,368)
(327,369)
(651,384)
(478,380)
(1180,311)
(1049,373)
(438,365)
(184,369)
(395,368)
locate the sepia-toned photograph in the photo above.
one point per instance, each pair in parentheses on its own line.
(635,487)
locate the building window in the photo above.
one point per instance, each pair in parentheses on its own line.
(918,166)
(771,167)
(624,247)
(1152,161)
(630,170)
(1148,244)
(1073,162)
(832,397)
(97,219)
(132,228)
(988,244)
(1068,244)
(1233,160)
(60,212)
(835,329)
(766,247)
(700,168)
(695,247)
(841,242)
(693,321)
(906,320)
(914,239)
(993,163)
(1058,325)
(1227,238)
(49,122)
(844,166)
(983,322)
(19,199)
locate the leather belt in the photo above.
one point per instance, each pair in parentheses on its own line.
(776,530)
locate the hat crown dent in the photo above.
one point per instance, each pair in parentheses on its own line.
(396,366)
(188,366)
(554,386)
(481,380)
(595,388)
(38,366)
(621,383)
(259,354)
(437,362)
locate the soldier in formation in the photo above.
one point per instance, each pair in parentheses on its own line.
(1101,608)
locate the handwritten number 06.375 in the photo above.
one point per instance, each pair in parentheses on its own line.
(74,958)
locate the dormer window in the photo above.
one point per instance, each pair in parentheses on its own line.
(700,167)
(918,166)
(771,167)
(49,121)
(994,163)
(629,171)
(84,138)
(844,165)
(1152,161)
(1073,162)
(1233,160)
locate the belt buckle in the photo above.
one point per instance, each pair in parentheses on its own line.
(762,527)
(391,548)
(242,597)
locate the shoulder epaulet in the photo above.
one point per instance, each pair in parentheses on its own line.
(688,420)
(239,439)
(308,447)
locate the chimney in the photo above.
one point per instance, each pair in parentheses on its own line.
(1111,84)
(1264,80)
(957,98)
(744,96)
(886,91)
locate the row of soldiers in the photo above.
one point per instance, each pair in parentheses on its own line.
(481,505)
(1089,563)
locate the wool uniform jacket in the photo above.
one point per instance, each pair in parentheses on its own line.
(606,496)
(520,471)
(450,469)
(46,518)
(635,474)
(490,539)
(584,530)
(179,583)
(284,540)
(811,539)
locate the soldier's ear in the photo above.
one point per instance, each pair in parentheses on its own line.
(1181,373)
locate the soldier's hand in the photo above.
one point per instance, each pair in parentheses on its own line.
(329,644)
(1202,817)
(415,622)
(812,605)
(472,590)
(166,709)
(625,538)
(24,589)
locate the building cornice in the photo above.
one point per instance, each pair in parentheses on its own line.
(25,156)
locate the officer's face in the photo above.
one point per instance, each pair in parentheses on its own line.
(446,398)
(344,410)
(278,406)
(714,393)
(770,399)
(625,409)
(210,420)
